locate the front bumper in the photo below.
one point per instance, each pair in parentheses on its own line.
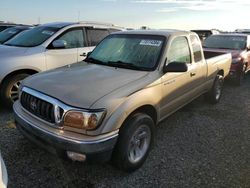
(54,140)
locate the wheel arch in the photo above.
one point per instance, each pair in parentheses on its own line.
(19,71)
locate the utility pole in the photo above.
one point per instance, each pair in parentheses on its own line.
(78,16)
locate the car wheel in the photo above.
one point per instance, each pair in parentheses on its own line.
(241,76)
(214,95)
(134,142)
(9,89)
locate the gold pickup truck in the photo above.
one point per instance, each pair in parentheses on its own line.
(108,106)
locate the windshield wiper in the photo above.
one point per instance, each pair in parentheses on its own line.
(122,64)
(95,61)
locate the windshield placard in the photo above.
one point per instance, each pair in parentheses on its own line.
(150,42)
(46,32)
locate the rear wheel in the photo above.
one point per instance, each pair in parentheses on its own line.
(214,95)
(135,140)
(9,89)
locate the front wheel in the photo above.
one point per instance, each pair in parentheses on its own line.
(9,89)
(214,95)
(135,140)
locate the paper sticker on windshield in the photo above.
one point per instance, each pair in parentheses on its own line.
(12,32)
(151,42)
(238,39)
(48,32)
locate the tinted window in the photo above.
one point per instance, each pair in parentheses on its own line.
(196,48)
(129,51)
(8,34)
(33,37)
(73,38)
(4,27)
(179,51)
(226,42)
(96,35)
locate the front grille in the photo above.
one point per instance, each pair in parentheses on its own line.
(38,107)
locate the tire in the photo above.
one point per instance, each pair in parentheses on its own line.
(240,77)
(9,89)
(214,95)
(131,150)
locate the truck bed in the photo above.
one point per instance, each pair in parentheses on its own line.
(217,61)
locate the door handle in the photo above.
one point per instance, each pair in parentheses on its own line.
(192,74)
(84,54)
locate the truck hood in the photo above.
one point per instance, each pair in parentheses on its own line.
(10,51)
(235,53)
(81,85)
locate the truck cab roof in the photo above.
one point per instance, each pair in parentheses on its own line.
(165,32)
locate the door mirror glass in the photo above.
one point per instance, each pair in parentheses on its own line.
(59,44)
(175,67)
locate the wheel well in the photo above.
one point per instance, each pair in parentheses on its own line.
(22,71)
(221,72)
(147,109)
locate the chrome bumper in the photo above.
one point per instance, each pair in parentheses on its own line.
(52,139)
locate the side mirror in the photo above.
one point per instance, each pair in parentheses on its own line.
(248,48)
(175,67)
(59,44)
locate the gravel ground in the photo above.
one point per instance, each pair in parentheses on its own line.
(201,145)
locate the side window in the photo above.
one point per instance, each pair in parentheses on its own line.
(179,51)
(196,48)
(96,35)
(73,38)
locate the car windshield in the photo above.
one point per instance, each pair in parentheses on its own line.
(226,42)
(8,34)
(139,52)
(33,37)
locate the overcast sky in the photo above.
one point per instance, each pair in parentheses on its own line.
(176,14)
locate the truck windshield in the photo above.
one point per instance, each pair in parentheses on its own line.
(33,37)
(226,42)
(139,52)
(8,34)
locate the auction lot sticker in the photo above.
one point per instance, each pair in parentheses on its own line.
(151,42)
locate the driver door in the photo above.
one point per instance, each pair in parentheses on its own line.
(74,39)
(177,88)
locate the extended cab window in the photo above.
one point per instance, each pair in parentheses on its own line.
(96,35)
(74,38)
(179,51)
(196,48)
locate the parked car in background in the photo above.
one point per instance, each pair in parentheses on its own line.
(236,44)
(108,105)
(4,26)
(244,31)
(46,47)
(11,32)
(203,33)
(3,174)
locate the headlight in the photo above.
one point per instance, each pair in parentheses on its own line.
(83,120)
(236,60)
